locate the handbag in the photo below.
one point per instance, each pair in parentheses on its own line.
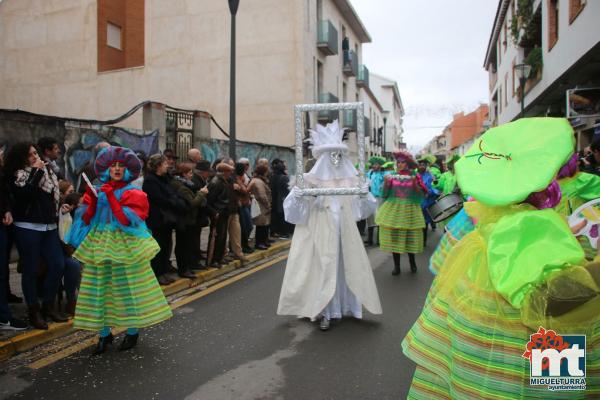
(254,208)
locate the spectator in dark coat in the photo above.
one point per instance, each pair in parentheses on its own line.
(202,175)
(279,191)
(184,231)
(34,187)
(220,193)
(7,321)
(165,206)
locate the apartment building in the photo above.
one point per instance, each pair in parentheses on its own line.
(96,59)
(559,40)
(386,90)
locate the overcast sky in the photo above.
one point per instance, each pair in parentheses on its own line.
(434,49)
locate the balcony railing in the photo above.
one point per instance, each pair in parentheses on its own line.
(362,80)
(327,97)
(349,120)
(327,38)
(350,67)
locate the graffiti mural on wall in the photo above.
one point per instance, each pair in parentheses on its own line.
(80,141)
(213,149)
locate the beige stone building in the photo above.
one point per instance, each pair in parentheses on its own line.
(96,59)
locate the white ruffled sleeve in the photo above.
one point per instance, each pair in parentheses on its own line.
(363,206)
(296,208)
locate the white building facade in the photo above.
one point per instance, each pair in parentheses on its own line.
(65,58)
(386,90)
(560,39)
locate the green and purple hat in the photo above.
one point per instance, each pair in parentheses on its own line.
(509,162)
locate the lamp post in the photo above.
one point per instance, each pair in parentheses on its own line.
(233,7)
(523,71)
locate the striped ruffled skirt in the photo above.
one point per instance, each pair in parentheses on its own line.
(118,287)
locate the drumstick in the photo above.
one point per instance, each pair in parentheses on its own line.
(87,181)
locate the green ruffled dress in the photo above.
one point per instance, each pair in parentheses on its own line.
(520,269)
(400,218)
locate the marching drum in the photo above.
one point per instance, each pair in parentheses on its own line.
(445,207)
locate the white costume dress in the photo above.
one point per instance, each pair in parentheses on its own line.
(328,271)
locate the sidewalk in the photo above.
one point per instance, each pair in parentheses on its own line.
(12,343)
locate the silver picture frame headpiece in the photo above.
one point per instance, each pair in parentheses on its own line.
(299,110)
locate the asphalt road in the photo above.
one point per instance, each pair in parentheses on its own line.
(230,344)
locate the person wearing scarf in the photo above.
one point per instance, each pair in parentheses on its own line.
(118,287)
(35,192)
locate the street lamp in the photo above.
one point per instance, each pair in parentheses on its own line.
(523,71)
(233,7)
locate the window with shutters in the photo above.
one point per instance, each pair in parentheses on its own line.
(553,21)
(575,8)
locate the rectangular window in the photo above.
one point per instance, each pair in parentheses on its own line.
(120,34)
(514,87)
(113,36)
(506,89)
(575,7)
(504,41)
(499,99)
(552,23)
(499,52)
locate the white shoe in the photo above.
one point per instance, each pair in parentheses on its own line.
(324,325)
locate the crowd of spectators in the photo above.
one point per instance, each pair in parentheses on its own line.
(187,195)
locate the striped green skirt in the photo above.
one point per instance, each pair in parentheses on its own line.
(473,350)
(401,226)
(400,240)
(118,287)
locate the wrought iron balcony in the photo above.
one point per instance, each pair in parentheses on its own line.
(327,38)
(362,80)
(350,67)
(326,116)
(349,120)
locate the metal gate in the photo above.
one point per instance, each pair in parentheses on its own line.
(180,131)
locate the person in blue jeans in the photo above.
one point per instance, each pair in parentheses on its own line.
(7,321)
(34,188)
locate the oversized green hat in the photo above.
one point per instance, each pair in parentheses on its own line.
(389,164)
(376,160)
(511,161)
(430,158)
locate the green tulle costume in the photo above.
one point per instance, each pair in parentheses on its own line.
(520,269)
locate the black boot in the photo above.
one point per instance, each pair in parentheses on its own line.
(413,263)
(396,270)
(425,236)
(129,342)
(369,241)
(49,312)
(103,343)
(35,317)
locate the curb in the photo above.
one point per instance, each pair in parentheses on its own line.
(36,337)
